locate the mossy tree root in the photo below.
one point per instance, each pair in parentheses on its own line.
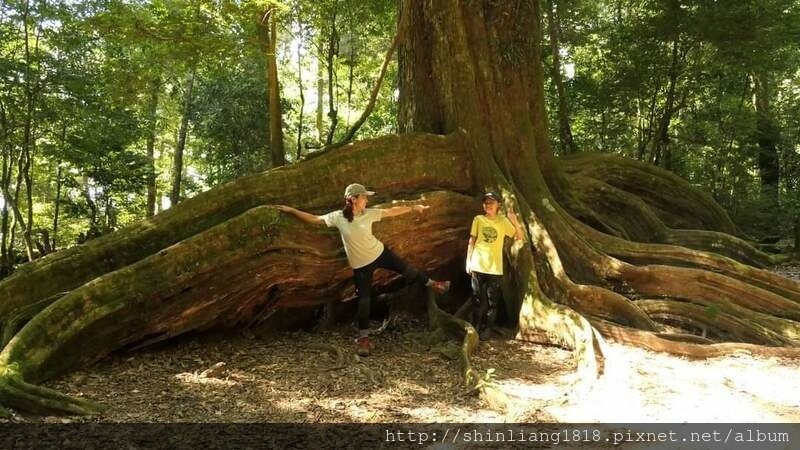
(633,219)
(12,324)
(409,163)
(16,393)
(238,272)
(732,324)
(658,343)
(460,329)
(638,253)
(677,202)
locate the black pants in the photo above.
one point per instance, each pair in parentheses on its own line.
(485,296)
(363,280)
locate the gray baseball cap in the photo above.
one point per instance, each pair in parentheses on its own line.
(356,189)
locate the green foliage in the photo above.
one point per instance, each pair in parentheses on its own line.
(621,55)
(103,78)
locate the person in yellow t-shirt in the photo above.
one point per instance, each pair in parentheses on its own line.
(485,258)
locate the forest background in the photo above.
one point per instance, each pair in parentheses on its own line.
(112,111)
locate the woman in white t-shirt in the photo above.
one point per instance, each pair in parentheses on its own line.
(365,253)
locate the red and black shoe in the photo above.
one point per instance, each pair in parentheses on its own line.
(363,346)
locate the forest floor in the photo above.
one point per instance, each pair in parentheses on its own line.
(296,377)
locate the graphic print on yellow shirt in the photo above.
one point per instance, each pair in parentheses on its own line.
(487,254)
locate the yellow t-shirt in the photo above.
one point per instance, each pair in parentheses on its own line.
(489,234)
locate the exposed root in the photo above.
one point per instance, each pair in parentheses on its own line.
(642,254)
(16,393)
(654,342)
(633,219)
(411,162)
(17,318)
(706,287)
(687,284)
(728,324)
(682,337)
(459,328)
(688,208)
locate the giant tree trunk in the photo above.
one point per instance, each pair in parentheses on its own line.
(600,258)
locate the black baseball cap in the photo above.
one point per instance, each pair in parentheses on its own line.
(493,195)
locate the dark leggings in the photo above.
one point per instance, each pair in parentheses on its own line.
(485,296)
(363,280)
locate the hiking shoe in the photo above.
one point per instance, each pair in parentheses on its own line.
(440,287)
(364,346)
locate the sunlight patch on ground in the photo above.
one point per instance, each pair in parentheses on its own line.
(641,386)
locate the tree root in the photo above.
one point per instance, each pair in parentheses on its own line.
(234,273)
(662,190)
(17,318)
(727,323)
(410,163)
(693,285)
(16,393)
(459,328)
(655,342)
(633,219)
(639,253)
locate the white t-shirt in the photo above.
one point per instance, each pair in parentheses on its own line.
(360,244)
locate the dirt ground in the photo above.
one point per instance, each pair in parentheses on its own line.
(299,377)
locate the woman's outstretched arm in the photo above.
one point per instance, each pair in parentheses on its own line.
(302,215)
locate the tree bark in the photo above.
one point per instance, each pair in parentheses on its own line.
(5,185)
(302,98)
(277,152)
(660,151)
(768,136)
(320,100)
(152,123)
(177,159)
(566,142)
(57,206)
(333,51)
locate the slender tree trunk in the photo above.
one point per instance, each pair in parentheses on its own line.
(350,77)
(376,88)
(5,183)
(302,99)
(59,183)
(27,140)
(333,51)
(768,136)
(20,220)
(661,143)
(152,122)
(566,141)
(177,160)
(648,130)
(320,101)
(275,116)
(57,207)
